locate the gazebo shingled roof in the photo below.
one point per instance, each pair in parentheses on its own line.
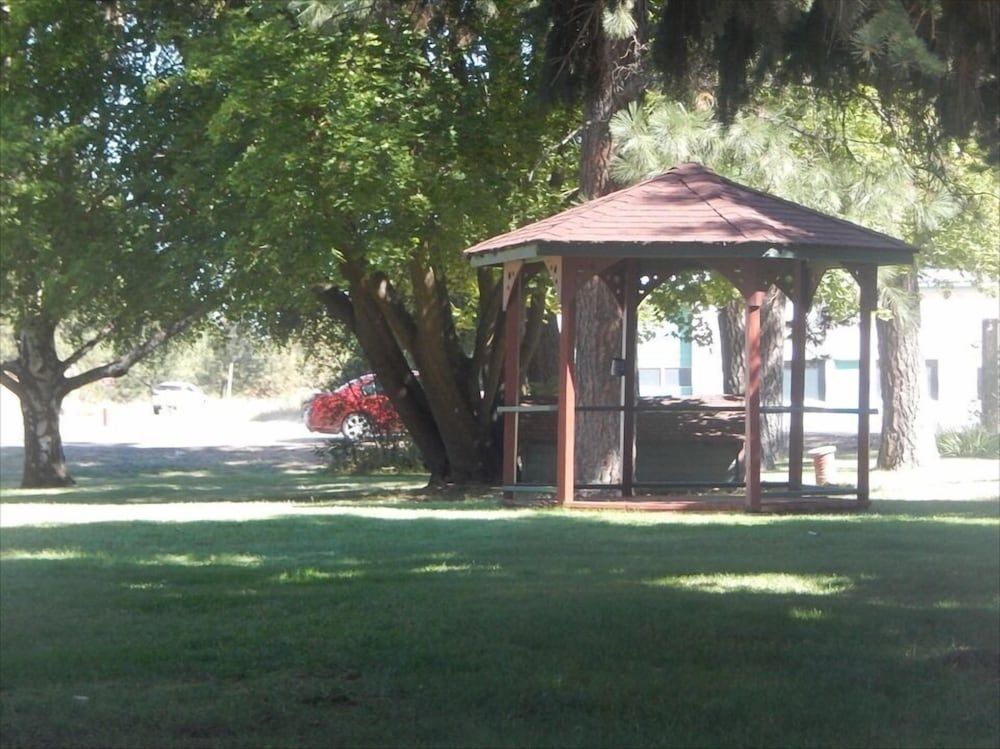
(688,217)
(691,211)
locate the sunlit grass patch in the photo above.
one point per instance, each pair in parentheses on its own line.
(807,615)
(777,583)
(305,575)
(48,555)
(144,586)
(198,560)
(445,567)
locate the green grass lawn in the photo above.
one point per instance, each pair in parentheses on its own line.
(504,628)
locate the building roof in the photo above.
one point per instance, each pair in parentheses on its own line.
(691,212)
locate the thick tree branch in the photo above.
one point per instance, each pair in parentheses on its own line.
(120,366)
(399,318)
(338,305)
(8,381)
(490,288)
(85,349)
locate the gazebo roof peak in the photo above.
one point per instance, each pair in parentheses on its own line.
(690,211)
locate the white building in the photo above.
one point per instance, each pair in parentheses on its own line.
(952,313)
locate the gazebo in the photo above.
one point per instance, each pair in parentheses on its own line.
(688,218)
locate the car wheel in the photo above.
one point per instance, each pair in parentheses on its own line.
(356,427)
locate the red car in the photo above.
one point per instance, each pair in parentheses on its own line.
(357,409)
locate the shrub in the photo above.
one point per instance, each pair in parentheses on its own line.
(377,454)
(971,442)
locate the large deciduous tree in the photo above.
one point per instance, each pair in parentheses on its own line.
(87,257)
(358,162)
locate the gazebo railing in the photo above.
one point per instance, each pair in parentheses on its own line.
(785,486)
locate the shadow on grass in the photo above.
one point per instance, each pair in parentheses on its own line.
(543,629)
(127,474)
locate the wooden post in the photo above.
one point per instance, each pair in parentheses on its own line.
(754,370)
(990,374)
(511,374)
(566,425)
(867,281)
(630,295)
(796,424)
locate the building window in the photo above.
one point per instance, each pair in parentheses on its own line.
(815,380)
(649,378)
(671,381)
(931,367)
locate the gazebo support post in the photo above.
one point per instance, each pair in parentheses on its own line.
(796,424)
(566,425)
(630,296)
(513,307)
(867,278)
(754,370)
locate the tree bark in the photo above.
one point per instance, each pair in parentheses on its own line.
(731,322)
(447,379)
(772,346)
(599,339)
(40,390)
(990,373)
(443,410)
(904,442)
(731,347)
(362,313)
(614,82)
(540,348)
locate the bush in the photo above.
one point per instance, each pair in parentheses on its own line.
(971,442)
(377,454)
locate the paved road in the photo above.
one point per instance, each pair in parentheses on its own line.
(121,438)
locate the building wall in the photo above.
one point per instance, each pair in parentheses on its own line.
(950,341)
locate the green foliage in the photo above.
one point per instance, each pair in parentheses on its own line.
(889,35)
(84,163)
(971,442)
(362,144)
(839,159)
(382,454)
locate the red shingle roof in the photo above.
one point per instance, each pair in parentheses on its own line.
(692,205)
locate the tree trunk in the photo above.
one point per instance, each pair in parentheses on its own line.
(40,390)
(599,339)
(540,349)
(473,455)
(599,320)
(443,409)
(732,347)
(772,346)
(363,313)
(44,461)
(904,442)
(731,344)
(990,373)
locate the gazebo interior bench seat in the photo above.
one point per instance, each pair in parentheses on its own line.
(677,440)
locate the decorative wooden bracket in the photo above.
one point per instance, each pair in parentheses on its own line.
(511,271)
(745,276)
(812,275)
(554,265)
